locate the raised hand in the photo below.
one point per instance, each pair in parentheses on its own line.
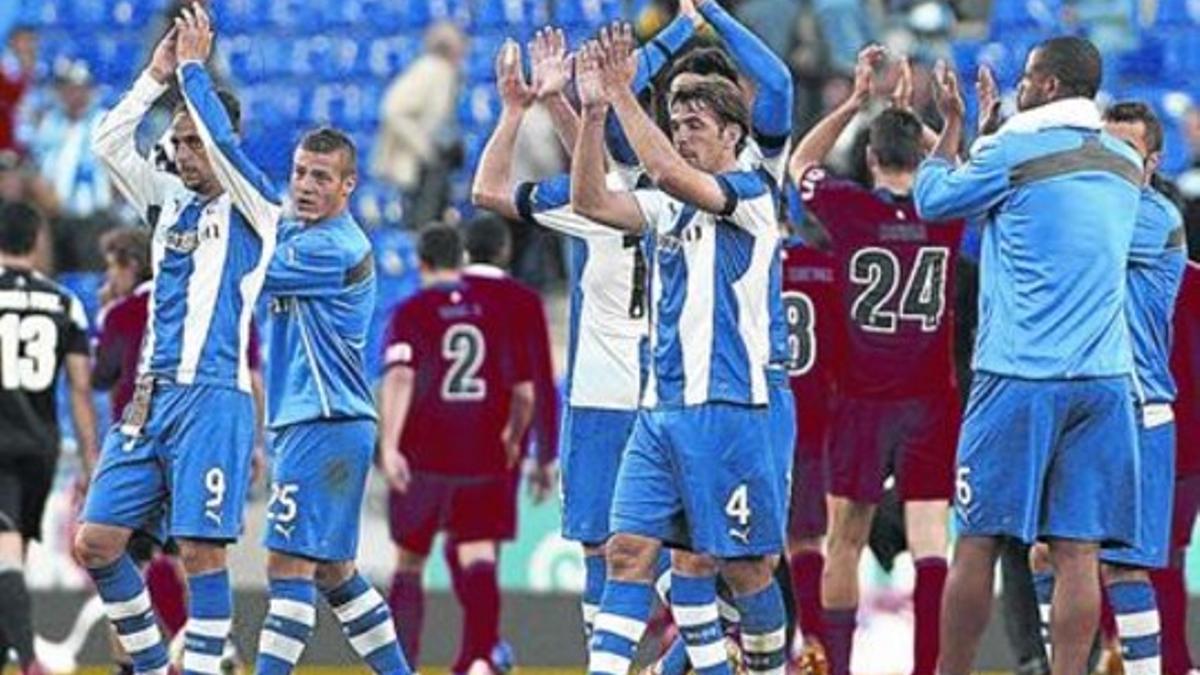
(195,36)
(946,91)
(588,81)
(903,93)
(510,80)
(869,59)
(163,61)
(618,65)
(550,65)
(989,100)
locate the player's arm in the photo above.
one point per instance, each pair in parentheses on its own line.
(78,364)
(111,347)
(816,145)
(520,413)
(550,71)
(651,59)
(247,185)
(395,397)
(664,166)
(114,137)
(590,194)
(310,265)
(492,188)
(772,112)
(942,191)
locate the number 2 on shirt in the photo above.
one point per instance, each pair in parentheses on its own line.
(464,347)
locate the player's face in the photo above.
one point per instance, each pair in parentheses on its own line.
(1134,134)
(1036,87)
(191,158)
(700,138)
(321,184)
(121,279)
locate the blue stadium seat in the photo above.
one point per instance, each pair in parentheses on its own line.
(966,53)
(500,14)
(586,12)
(387,57)
(118,57)
(479,106)
(1009,15)
(241,15)
(482,56)
(1177,13)
(1181,54)
(86,286)
(1147,61)
(135,14)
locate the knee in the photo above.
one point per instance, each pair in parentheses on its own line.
(693,565)
(474,552)
(631,558)
(802,545)
(748,576)
(199,557)
(95,548)
(334,574)
(849,533)
(408,562)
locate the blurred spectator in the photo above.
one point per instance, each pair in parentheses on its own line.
(123,316)
(1189,180)
(845,28)
(17,70)
(419,143)
(20,182)
(775,21)
(61,144)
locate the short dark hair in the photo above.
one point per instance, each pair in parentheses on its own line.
(328,140)
(1074,62)
(488,240)
(1131,112)
(229,101)
(440,247)
(19,227)
(722,97)
(895,140)
(703,61)
(128,246)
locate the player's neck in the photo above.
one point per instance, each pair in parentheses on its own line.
(897,183)
(435,277)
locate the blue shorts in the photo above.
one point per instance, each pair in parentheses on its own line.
(1156,447)
(782,411)
(1044,459)
(318,475)
(592,442)
(705,477)
(189,467)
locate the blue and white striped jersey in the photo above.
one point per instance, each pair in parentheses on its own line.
(712,273)
(1157,260)
(608,325)
(322,287)
(209,256)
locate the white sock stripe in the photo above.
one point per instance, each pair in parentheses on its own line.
(621,626)
(773,671)
(1044,613)
(380,635)
(662,586)
(201,663)
(213,628)
(159,671)
(607,662)
(353,609)
(294,610)
(280,646)
(728,611)
(757,643)
(140,640)
(1138,624)
(124,609)
(589,611)
(707,655)
(1151,665)
(695,615)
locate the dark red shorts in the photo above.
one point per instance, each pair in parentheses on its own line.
(1187,503)
(913,439)
(465,509)
(810,481)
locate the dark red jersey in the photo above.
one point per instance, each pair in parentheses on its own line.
(467,351)
(897,279)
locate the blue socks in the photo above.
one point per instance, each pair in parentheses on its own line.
(764,625)
(1134,605)
(127,605)
(210,616)
(368,626)
(694,606)
(619,627)
(288,625)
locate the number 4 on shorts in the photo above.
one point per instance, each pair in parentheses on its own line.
(738,506)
